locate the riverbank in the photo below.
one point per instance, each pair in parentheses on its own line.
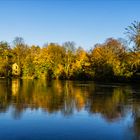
(119,80)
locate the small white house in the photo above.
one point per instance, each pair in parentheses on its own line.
(15,70)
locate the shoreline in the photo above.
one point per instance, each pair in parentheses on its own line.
(132,81)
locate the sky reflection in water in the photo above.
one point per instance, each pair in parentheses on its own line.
(39,109)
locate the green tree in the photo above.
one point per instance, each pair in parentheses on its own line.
(133,32)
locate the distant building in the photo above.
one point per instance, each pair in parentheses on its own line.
(15,70)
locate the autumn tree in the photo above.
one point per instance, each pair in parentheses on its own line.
(82,65)
(30,66)
(69,58)
(5,59)
(108,59)
(55,59)
(21,51)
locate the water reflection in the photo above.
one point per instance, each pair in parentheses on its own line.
(113,102)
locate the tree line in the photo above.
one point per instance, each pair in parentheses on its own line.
(115,59)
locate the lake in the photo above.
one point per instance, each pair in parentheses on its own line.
(59,110)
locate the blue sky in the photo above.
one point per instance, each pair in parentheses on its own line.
(86,22)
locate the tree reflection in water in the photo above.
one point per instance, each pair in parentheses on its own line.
(113,101)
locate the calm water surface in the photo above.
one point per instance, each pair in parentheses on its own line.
(58,110)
